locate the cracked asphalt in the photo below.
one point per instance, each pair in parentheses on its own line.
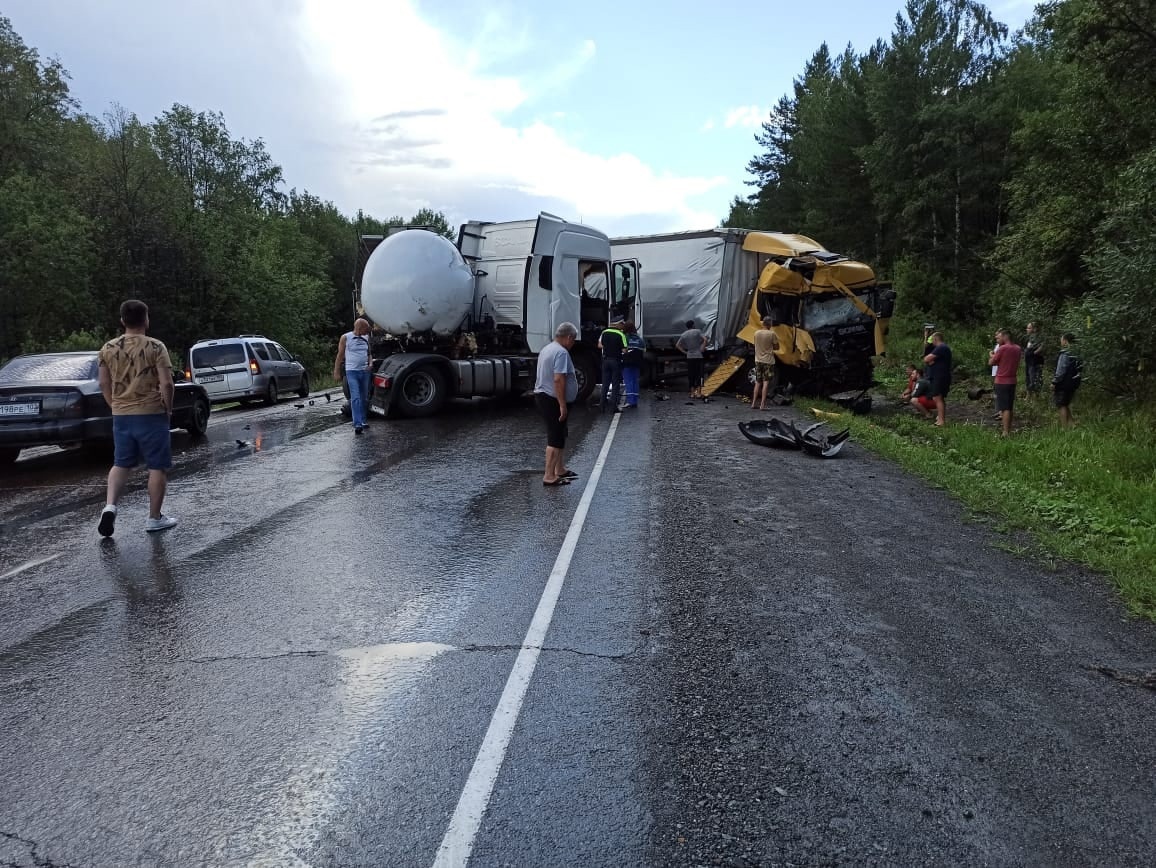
(757,658)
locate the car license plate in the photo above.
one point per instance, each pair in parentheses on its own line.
(211,378)
(32,409)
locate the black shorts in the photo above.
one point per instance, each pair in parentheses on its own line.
(1005,396)
(939,389)
(555,428)
(694,372)
(1062,397)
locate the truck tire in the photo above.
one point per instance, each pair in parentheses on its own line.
(743,380)
(198,418)
(421,392)
(588,371)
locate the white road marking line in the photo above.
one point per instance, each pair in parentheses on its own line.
(31,564)
(458,842)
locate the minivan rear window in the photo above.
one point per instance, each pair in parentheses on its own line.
(262,353)
(219,356)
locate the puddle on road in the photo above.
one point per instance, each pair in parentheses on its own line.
(377,654)
(300,807)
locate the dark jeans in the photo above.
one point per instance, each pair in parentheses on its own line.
(694,371)
(611,381)
(1035,376)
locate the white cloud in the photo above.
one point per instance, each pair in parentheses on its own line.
(708,125)
(745,116)
(420,119)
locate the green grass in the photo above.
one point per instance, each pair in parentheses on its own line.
(1086,494)
(324,384)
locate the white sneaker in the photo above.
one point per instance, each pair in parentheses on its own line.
(162,523)
(107,521)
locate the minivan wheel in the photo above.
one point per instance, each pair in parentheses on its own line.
(271,392)
(303,392)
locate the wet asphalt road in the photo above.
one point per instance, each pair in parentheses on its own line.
(757,658)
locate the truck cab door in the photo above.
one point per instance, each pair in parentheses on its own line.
(563,256)
(626,299)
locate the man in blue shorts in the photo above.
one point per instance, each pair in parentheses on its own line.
(136,379)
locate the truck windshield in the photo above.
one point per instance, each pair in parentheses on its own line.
(824,312)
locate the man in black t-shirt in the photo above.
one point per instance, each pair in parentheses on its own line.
(938,363)
(612,343)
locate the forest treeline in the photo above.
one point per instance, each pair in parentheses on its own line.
(996,177)
(176,212)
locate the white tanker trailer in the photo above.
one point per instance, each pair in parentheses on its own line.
(468,320)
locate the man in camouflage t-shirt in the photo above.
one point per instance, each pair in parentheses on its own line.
(136,379)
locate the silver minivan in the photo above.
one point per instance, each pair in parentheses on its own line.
(246,368)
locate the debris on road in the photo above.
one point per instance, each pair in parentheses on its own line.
(784,435)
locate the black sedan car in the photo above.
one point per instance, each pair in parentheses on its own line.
(55,399)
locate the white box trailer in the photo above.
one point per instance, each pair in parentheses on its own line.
(830,313)
(703,276)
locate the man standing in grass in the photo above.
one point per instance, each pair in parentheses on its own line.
(1067,379)
(938,363)
(1033,359)
(136,379)
(1006,360)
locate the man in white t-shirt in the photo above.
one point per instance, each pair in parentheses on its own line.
(555,389)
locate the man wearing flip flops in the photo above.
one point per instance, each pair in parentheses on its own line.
(555,389)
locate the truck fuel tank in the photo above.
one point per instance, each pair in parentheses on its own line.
(417,281)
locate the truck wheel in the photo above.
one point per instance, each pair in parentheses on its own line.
(422,391)
(271,392)
(744,379)
(587,370)
(199,418)
(303,392)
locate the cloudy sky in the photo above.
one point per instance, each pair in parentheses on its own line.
(605,111)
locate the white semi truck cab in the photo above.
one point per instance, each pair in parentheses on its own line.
(468,320)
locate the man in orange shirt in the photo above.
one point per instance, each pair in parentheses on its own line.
(136,379)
